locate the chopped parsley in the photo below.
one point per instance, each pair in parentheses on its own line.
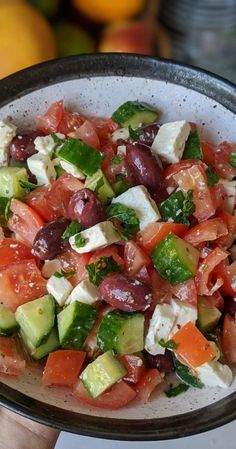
(116,159)
(28,186)
(170,344)
(64,274)
(172,392)
(212,177)
(177,207)
(135,133)
(80,241)
(193,148)
(98,270)
(4,210)
(73,228)
(125,215)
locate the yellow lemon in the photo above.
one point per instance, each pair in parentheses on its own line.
(107,11)
(26,37)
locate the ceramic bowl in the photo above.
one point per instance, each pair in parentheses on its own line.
(96,85)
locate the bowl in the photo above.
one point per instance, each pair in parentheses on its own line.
(96,85)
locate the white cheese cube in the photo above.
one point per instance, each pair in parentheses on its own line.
(85,292)
(42,167)
(72,169)
(50,266)
(98,236)
(170,141)
(230,188)
(59,288)
(160,326)
(121,150)
(122,133)
(7,134)
(138,198)
(215,374)
(46,144)
(184,313)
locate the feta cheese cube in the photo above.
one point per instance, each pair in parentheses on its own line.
(46,144)
(184,313)
(170,141)
(59,288)
(98,236)
(50,266)
(139,199)
(42,167)
(122,133)
(121,150)
(85,292)
(7,134)
(215,374)
(160,326)
(72,169)
(230,188)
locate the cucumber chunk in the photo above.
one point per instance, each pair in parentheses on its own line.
(101,374)
(175,259)
(193,148)
(85,158)
(74,324)
(36,319)
(121,331)
(8,324)
(51,344)
(9,181)
(208,315)
(132,113)
(99,184)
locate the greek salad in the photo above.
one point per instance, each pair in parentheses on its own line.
(117,254)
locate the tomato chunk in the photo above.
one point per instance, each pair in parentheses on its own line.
(229,339)
(135,258)
(58,196)
(221,160)
(135,367)
(70,122)
(230,221)
(48,123)
(153,233)
(109,251)
(72,261)
(11,362)
(12,251)
(87,133)
(21,282)
(36,199)
(208,153)
(63,367)
(207,231)
(192,346)
(228,273)
(173,169)
(25,222)
(205,271)
(118,396)
(149,381)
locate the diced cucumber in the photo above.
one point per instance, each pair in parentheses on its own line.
(208,315)
(102,373)
(85,158)
(120,187)
(36,319)
(8,324)
(175,259)
(184,374)
(133,113)
(51,344)
(74,323)
(9,181)
(99,184)
(121,331)
(232,159)
(193,148)
(177,207)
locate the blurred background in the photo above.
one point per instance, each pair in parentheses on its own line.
(198,32)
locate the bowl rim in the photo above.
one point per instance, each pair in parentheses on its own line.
(124,65)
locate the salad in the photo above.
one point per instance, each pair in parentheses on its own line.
(117,254)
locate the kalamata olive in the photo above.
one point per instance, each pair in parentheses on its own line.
(22,146)
(124,293)
(230,306)
(163,362)
(149,133)
(85,207)
(48,242)
(146,168)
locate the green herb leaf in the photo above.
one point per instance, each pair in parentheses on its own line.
(99,184)
(124,235)
(172,392)
(125,215)
(64,274)
(120,187)
(79,241)
(185,375)
(212,177)
(193,148)
(135,133)
(4,210)
(28,186)
(188,205)
(98,270)
(73,228)
(177,207)
(56,139)
(120,176)
(116,159)
(232,159)
(59,170)
(170,344)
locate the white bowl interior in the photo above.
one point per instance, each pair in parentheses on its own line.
(100,96)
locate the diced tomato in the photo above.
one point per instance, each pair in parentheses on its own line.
(58,196)
(186,292)
(109,150)
(228,274)
(208,153)
(149,381)
(204,274)
(25,222)
(193,126)
(207,231)
(161,289)
(228,339)
(104,128)
(21,282)
(194,178)
(88,134)
(173,169)
(218,195)
(70,122)
(221,160)
(216,300)
(48,123)
(118,396)
(12,251)
(36,199)
(11,362)
(63,367)
(72,261)
(192,346)
(153,233)
(135,367)
(135,258)
(109,251)
(230,221)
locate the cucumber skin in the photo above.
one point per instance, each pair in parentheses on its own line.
(193,147)
(110,327)
(168,263)
(51,344)
(84,316)
(184,374)
(9,181)
(6,316)
(83,156)
(105,193)
(125,114)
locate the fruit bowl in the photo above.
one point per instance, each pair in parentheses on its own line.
(96,85)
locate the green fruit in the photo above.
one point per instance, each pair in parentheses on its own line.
(72,40)
(47,7)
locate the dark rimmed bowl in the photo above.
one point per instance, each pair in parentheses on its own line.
(96,85)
